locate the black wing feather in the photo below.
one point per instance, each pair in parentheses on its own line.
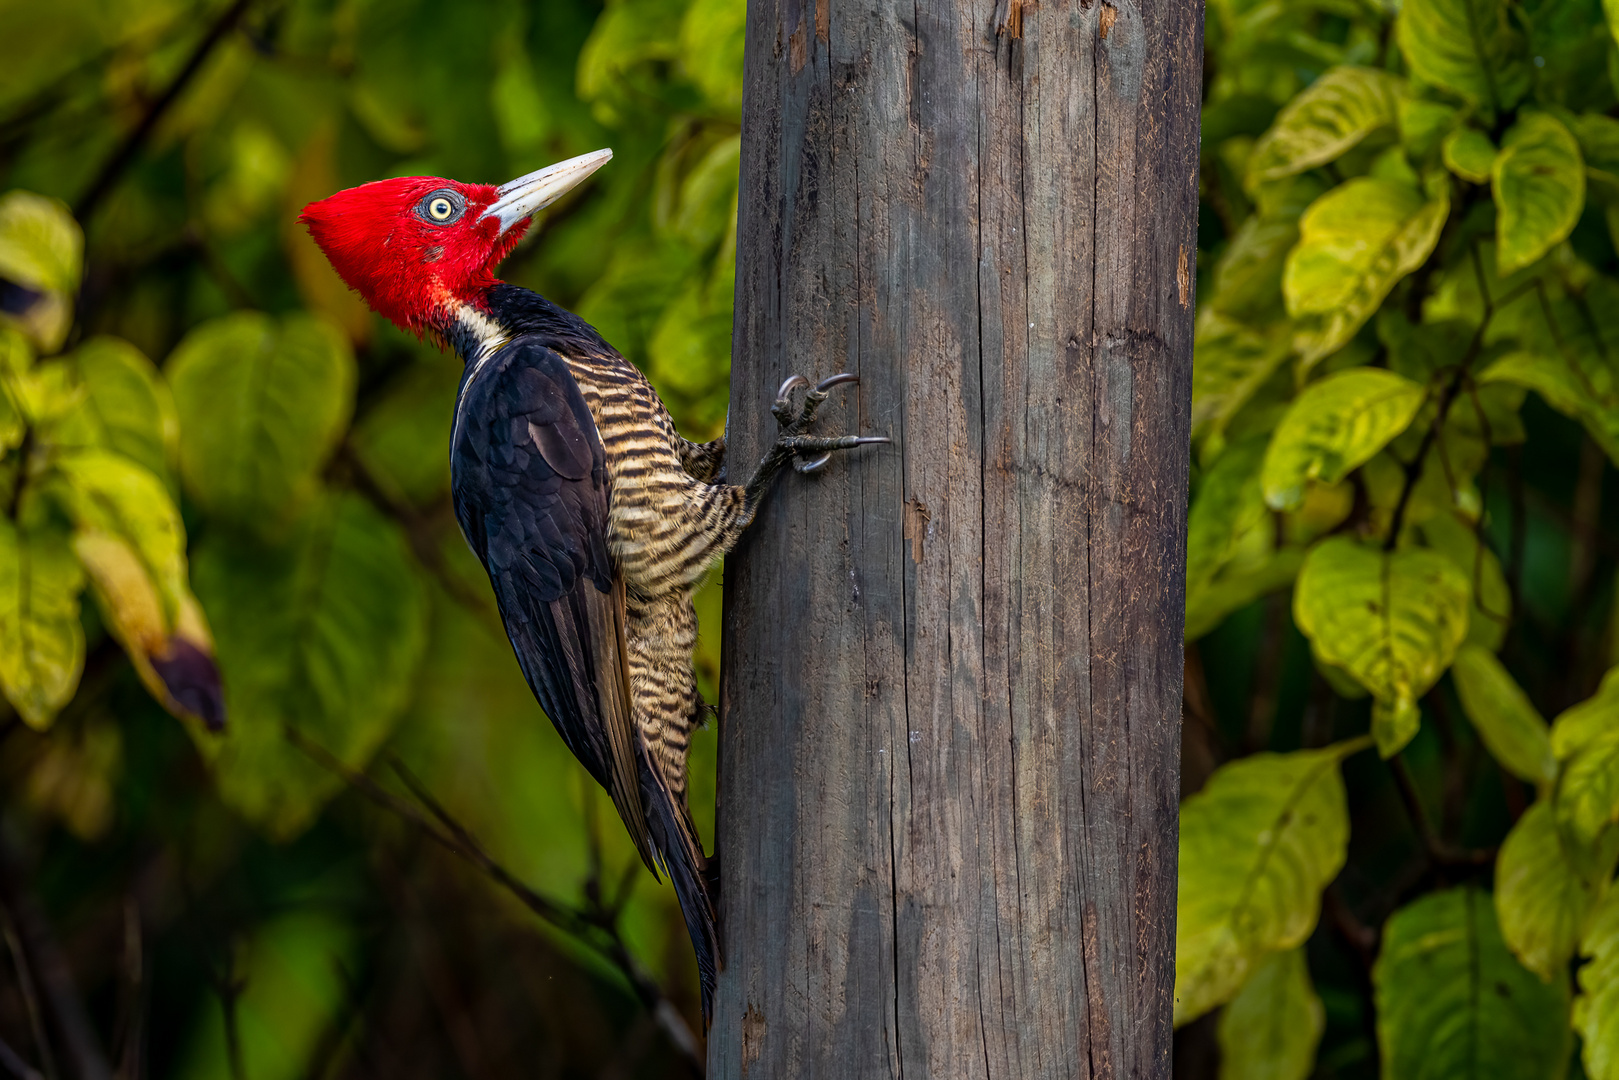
(529,481)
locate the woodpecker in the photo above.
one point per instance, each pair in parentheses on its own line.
(594,518)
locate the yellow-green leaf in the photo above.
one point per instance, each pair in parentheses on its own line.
(1453,1003)
(1335,426)
(42,251)
(1468,47)
(1393,620)
(1355,243)
(1459,542)
(41,641)
(1331,115)
(1271,1029)
(1258,844)
(1596,1010)
(1539,184)
(1515,733)
(1542,893)
(1230,362)
(131,404)
(1579,725)
(1588,792)
(1469,154)
(262,404)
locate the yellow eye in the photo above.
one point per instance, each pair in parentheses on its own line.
(440,209)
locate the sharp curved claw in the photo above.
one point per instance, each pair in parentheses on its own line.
(872,440)
(793,382)
(811,466)
(837,380)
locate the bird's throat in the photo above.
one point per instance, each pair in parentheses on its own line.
(471,331)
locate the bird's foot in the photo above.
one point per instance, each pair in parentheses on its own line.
(792,439)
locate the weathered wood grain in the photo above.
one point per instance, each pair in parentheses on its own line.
(952,667)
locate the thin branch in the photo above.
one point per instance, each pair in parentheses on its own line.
(596,928)
(59,1000)
(1439,852)
(15,1066)
(25,984)
(122,157)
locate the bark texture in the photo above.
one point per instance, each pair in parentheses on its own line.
(951,695)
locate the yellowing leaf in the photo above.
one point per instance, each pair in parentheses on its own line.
(1469,154)
(1331,115)
(1542,897)
(1467,47)
(1355,243)
(1539,184)
(1393,620)
(1459,542)
(1230,362)
(41,641)
(1588,793)
(1516,735)
(1578,726)
(1335,426)
(262,404)
(1453,1003)
(131,404)
(1596,1010)
(42,251)
(1258,844)
(1271,1029)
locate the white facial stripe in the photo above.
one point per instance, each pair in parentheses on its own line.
(490,336)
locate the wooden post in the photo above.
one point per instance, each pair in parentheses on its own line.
(952,667)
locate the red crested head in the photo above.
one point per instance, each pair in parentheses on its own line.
(418,248)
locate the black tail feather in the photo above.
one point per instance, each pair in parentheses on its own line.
(688,870)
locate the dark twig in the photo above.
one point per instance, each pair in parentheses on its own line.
(130,1043)
(59,1000)
(25,984)
(122,157)
(595,928)
(15,1066)
(1439,852)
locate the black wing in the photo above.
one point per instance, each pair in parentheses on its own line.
(529,481)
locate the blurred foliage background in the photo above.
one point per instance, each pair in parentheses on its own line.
(213,453)
(1401,737)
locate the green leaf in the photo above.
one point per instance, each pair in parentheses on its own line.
(1578,726)
(42,250)
(1230,362)
(1539,184)
(1588,793)
(1271,1029)
(1331,115)
(1393,620)
(1469,154)
(1596,1010)
(1355,243)
(1258,844)
(131,404)
(1452,1002)
(1248,277)
(107,492)
(1208,602)
(261,405)
(711,37)
(1335,426)
(321,634)
(1516,734)
(41,640)
(1541,896)
(403,441)
(1228,506)
(1467,47)
(1423,124)
(1572,390)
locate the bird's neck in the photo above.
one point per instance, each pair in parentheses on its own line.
(475,327)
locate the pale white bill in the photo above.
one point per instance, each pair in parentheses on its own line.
(527,195)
